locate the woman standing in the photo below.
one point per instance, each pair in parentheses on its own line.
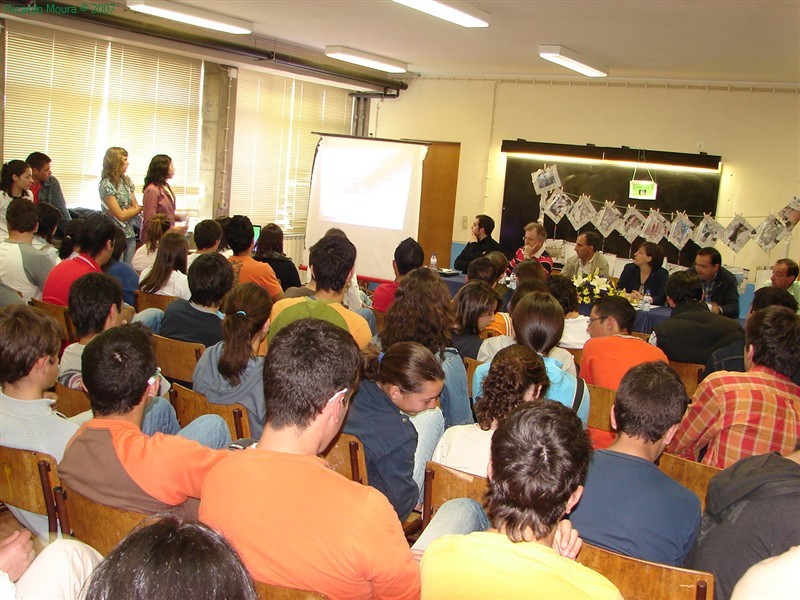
(117,198)
(167,277)
(158,195)
(646,273)
(16,178)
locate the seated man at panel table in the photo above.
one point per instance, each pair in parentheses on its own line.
(692,331)
(629,505)
(482,229)
(720,290)
(611,350)
(296,522)
(110,460)
(587,259)
(734,415)
(784,276)
(407,256)
(534,239)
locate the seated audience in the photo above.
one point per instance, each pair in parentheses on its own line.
(23,267)
(534,239)
(331,261)
(482,229)
(110,460)
(229,372)
(475,305)
(517,375)
(71,242)
(269,249)
(692,332)
(784,276)
(122,271)
(167,276)
(612,350)
(720,289)
(423,312)
(575,324)
(145,256)
(751,515)
(308,536)
(402,382)
(734,415)
(483,269)
(628,504)
(45,188)
(645,274)
(353,296)
(172,557)
(15,182)
(199,319)
(96,242)
(731,357)
(48,217)
(540,455)
(407,256)
(587,259)
(9,296)
(239,236)
(539,324)
(224,248)
(207,236)
(500,263)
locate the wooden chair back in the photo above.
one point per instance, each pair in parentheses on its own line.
(600,402)
(190,404)
(27,482)
(443,484)
(100,526)
(470,364)
(61,315)
(177,359)
(577,354)
(346,456)
(71,402)
(143,300)
(693,475)
(641,336)
(690,374)
(266,591)
(642,580)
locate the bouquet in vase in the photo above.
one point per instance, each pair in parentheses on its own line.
(593,286)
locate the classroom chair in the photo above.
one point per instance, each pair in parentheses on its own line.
(693,475)
(71,402)
(690,374)
(61,315)
(177,359)
(143,300)
(346,457)
(27,483)
(189,405)
(443,484)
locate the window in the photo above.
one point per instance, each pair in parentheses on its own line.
(273,148)
(73,96)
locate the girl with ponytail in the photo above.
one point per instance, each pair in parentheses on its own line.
(145,255)
(230,372)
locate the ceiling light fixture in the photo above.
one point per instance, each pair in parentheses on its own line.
(191,16)
(572,60)
(365,59)
(454,12)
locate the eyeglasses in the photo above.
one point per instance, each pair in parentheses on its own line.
(597,319)
(156,376)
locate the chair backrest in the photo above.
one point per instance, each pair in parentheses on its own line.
(71,402)
(577,354)
(100,526)
(693,475)
(470,364)
(443,484)
(60,314)
(266,591)
(642,580)
(190,404)
(27,482)
(177,359)
(690,374)
(144,300)
(641,336)
(346,456)
(600,402)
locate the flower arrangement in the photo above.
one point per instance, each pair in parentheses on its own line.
(593,286)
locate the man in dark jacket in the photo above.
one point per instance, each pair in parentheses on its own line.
(482,229)
(692,331)
(720,289)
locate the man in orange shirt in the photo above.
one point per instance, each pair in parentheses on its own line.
(295,522)
(612,351)
(239,235)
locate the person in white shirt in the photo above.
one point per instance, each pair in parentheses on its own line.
(167,277)
(23,267)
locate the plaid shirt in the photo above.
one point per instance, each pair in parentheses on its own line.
(708,288)
(739,415)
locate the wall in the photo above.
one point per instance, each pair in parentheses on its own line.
(757,133)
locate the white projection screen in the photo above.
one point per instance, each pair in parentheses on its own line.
(370,189)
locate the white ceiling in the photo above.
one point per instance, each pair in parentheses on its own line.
(685,40)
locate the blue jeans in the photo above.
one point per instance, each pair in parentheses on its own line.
(208,430)
(369,317)
(130,250)
(430,428)
(456,405)
(455,517)
(150,318)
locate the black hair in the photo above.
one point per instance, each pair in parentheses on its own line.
(73,233)
(37,160)
(474,300)
(538,322)
(482,269)
(207,233)
(486,223)
(792,269)
(98,230)
(49,217)
(9,170)
(90,299)
(713,254)
(618,308)
(564,291)
(239,234)
(210,278)
(408,256)
(332,259)
(774,333)
(21,215)
(773,296)
(684,286)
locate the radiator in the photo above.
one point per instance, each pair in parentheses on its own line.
(293,246)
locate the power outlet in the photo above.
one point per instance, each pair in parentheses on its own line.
(465,222)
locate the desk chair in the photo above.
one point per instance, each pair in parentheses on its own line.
(177,359)
(143,300)
(27,482)
(71,402)
(690,374)
(346,456)
(693,475)
(600,402)
(443,484)
(190,404)
(61,315)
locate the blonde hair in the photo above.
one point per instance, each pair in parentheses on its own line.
(112,165)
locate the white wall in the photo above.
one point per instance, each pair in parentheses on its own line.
(757,133)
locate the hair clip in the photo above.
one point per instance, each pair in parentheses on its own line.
(241,312)
(380,356)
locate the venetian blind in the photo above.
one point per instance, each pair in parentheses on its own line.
(273,148)
(73,96)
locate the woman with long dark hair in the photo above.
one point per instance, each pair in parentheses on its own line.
(16,178)
(167,277)
(475,304)
(117,197)
(158,197)
(145,255)
(71,242)
(269,249)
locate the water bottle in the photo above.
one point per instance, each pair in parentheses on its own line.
(647,301)
(434,261)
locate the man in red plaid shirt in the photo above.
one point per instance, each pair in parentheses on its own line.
(735,415)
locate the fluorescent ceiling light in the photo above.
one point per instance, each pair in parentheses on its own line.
(455,12)
(191,16)
(365,59)
(572,60)
(553,158)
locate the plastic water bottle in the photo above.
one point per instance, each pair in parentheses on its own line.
(434,261)
(647,301)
